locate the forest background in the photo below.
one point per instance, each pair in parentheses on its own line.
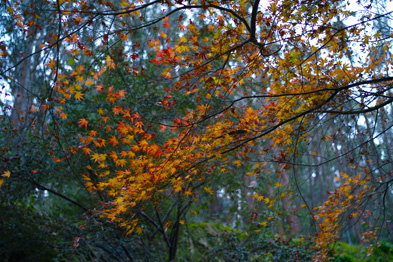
(185,130)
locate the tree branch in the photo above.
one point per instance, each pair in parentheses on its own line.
(60,195)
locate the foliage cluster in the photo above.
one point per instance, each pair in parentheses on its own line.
(131,122)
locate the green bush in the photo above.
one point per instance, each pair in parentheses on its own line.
(343,252)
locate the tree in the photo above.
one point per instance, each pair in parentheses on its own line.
(239,81)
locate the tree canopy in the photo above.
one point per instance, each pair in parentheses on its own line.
(155,107)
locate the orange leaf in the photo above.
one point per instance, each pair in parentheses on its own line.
(124,37)
(166,22)
(162,128)
(83,122)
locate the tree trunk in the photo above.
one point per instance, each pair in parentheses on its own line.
(21,96)
(287,203)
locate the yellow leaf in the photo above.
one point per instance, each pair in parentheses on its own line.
(10,10)
(100,111)
(119,200)
(139,230)
(207,189)
(98,157)
(237,163)
(163,35)
(181,222)
(89,82)
(79,95)
(123,3)
(264,223)
(183,39)
(6,174)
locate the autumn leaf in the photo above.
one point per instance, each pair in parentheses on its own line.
(124,37)
(87,151)
(89,82)
(139,230)
(166,22)
(113,140)
(98,157)
(79,95)
(83,122)
(99,87)
(207,189)
(6,174)
(162,128)
(45,107)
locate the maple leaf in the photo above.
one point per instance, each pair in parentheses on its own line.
(6,174)
(89,82)
(207,189)
(162,128)
(139,124)
(105,118)
(52,64)
(63,115)
(98,157)
(83,122)
(124,3)
(139,230)
(163,35)
(121,162)
(45,107)
(117,110)
(113,140)
(79,95)
(33,109)
(122,93)
(57,160)
(87,151)
(166,22)
(100,142)
(124,37)
(99,87)
(110,62)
